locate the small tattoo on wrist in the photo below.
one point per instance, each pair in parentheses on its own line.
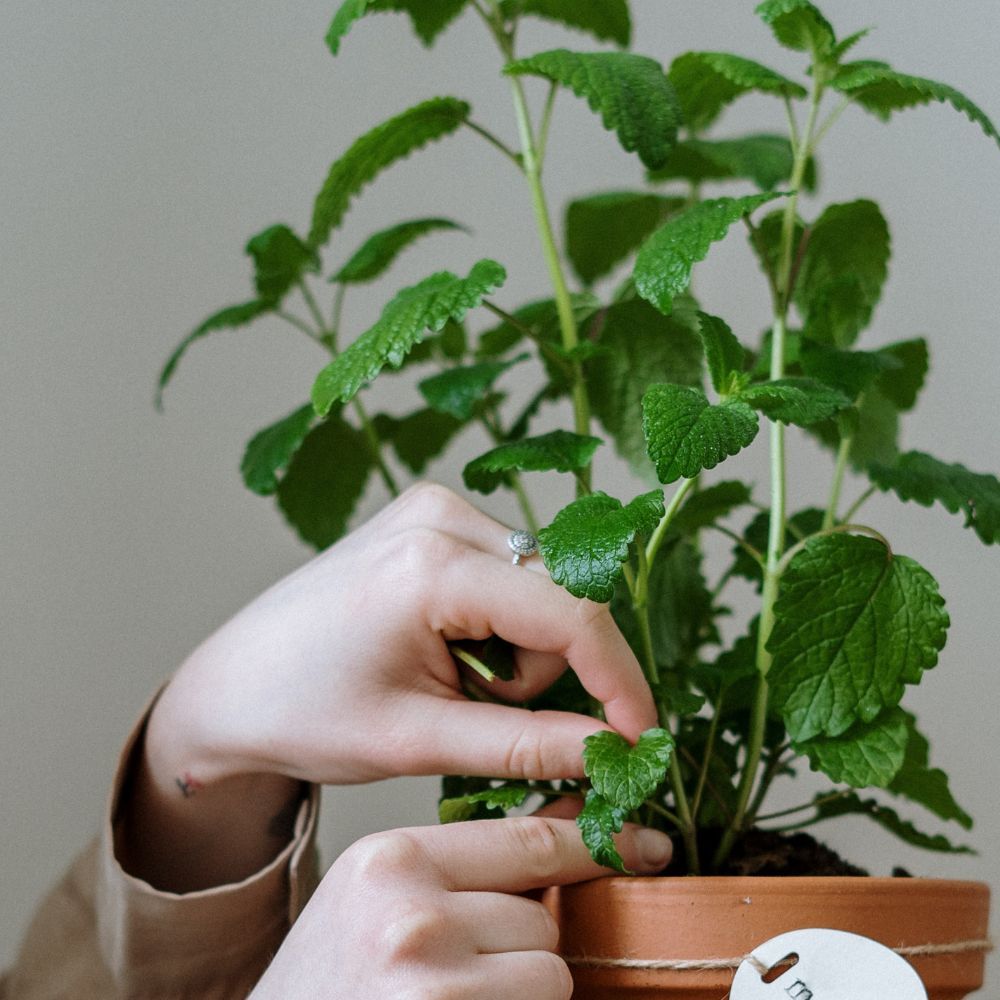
(188,785)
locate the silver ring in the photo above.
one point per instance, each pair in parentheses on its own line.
(522,543)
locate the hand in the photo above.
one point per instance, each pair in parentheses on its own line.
(341,673)
(427,913)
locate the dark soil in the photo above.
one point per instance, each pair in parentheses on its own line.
(762,852)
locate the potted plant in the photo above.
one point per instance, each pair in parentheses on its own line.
(815,673)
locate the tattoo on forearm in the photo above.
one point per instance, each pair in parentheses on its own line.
(188,785)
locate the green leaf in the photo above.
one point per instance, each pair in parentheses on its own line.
(377,253)
(458,391)
(709,505)
(642,347)
(663,268)
(418,437)
(843,269)
(724,354)
(377,150)
(918,476)
(868,754)
(598,822)
(853,624)
(918,782)
(706,82)
(460,809)
(225,319)
(853,805)
(604,229)
(626,775)
(587,542)
(800,401)
(907,364)
(800,525)
(798,24)
(404,322)
(686,434)
(630,92)
(558,450)
(681,611)
(280,259)
(541,317)
(429,17)
(850,371)
(607,20)
(270,450)
(881,90)
(324,481)
(766,160)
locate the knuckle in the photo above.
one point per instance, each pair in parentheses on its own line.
(414,932)
(554,972)
(593,617)
(420,552)
(538,844)
(427,503)
(548,929)
(382,857)
(524,758)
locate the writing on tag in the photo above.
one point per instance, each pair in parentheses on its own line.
(820,964)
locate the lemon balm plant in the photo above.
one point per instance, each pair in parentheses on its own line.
(844,623)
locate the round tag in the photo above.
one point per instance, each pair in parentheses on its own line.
(819,964)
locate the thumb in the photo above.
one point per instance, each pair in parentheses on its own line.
(530,852)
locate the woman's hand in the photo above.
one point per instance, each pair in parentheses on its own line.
(430,912)
(341,673)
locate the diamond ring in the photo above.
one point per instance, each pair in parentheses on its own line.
(522,543)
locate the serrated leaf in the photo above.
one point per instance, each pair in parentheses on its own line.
(918,782)
(711,504)
(706,82)
(843,269)
(918,476)
(681,610)
(850,371)
(458,391)
(424,307)
(686,434)
(598,821)
(766,160)
(270,450)
(867,755)
(642,347)
(377,253)
(324,481)
(663,268)
(724,354)
(225,319)
(417,438)
(558,451)
(798,24)
(853,805)
(607,20)
(463,808)
(584,547)
(853,624)
(626,775)
(800,401)
(377,150)
(280,259)
(630,92)
(765,239)
(906,369)
(881,90)
(429,17)
(604,229)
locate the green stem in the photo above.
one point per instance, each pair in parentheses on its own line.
(803,143)
(313,307)
(713,730)
(524,502)
(375,446)
(336,317)
(832,797)
(543,128)
(473,661)
(659,533)
(664,812)
(843,454)
(859,503)
(838,529)
(496,142)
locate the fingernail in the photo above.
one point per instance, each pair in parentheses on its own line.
(655,848)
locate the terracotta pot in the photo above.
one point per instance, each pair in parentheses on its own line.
(710,918)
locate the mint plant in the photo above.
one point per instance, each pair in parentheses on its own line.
(844,624)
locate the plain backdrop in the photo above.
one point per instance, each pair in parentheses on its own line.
(143,143)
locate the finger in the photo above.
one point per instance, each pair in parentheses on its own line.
(534,672)
(478,594)
(529,852)
(539,975)
(498,922)
(564,807)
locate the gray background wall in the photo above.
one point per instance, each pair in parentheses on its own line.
(142,143)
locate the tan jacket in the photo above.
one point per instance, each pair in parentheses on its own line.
(103,935)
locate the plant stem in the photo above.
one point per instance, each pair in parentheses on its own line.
(859,503)
(713,729)
(494,140)
(803,144)
(832,797)
(659,533)
(843,454)
(524,502)
(664,812)
(375,446)
(473,661)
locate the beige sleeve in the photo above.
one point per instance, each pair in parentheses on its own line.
(103,934)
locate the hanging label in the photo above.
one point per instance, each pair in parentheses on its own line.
(818,964)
